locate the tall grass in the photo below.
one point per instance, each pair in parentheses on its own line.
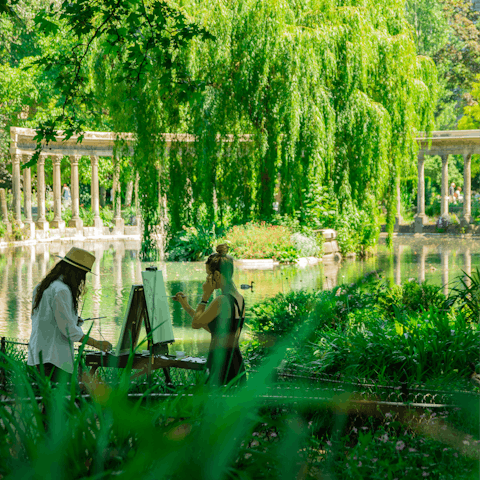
(261,431)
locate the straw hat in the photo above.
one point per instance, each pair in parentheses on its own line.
(79,258)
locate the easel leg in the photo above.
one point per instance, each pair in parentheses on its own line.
(143,371)
(168,378)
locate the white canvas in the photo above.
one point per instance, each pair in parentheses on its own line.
(157,306)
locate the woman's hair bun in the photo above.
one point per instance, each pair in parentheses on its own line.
(222,249)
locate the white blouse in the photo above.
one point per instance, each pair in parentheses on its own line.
(55,326)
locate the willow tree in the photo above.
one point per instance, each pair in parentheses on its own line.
(113,59)
(330,92)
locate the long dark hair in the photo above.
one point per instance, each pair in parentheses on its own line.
(221,262)
(73,277)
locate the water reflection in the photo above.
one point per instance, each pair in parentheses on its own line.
(118,268)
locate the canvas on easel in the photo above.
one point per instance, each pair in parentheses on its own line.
(157,307)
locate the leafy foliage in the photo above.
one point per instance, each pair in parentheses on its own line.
(447,31)
(466,294)
(403,333)
(411,296)
(192,244)
(261,240)
(331,94)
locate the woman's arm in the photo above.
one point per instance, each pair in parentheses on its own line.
(100,345)
(201,317)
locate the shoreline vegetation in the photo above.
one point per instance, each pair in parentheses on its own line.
(253,240)
(368,332)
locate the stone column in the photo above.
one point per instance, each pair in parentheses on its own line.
(41,222)
(444,255)
(421,219)
(4,210)
(95,193)
(467,191)
(27,199)
(27,192)
(119,228)
(75,221)
(421,264)
(444,203)
(57,193)
(17,192)
(129,194)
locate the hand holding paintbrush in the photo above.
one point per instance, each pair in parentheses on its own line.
(81,320)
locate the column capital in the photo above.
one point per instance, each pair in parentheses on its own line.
(17,158)
(421,157)
(74,159)
(467,156)
(444,157)
(41,158)
(56,159)
(94,159)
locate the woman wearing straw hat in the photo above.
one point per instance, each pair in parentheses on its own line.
(55,321)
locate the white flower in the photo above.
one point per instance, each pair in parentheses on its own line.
(400,445)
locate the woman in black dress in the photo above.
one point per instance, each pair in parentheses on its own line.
(223,319)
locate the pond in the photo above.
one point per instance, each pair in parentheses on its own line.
(436,260)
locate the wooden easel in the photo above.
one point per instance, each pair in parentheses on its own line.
(136,314)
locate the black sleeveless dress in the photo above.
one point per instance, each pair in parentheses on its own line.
(225,360)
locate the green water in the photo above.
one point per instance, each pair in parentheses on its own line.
(118,268)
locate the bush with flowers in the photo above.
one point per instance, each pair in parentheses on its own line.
(261,240)
(278,242)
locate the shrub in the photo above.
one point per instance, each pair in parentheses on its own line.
(129,214)
(107,214)
(305,246)
(411,296)
(357,230)
(17,233)
(191,244)
(261,240)
(87,216)
(413,348)
(66,215)
(3,229)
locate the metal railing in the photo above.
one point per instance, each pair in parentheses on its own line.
(297,383)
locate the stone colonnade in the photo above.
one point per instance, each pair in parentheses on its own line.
(421,219)
(40,223)
(445,144)
(93,145)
